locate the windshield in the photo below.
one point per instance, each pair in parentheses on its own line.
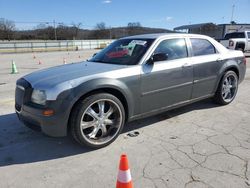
(123,52)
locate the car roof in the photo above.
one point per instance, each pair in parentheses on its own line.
(160,35)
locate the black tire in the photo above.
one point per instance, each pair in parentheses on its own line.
(80,114)
(220,96)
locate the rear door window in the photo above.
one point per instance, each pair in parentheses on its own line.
(202,47)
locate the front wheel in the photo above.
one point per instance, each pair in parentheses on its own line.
(97,120)
(227,88)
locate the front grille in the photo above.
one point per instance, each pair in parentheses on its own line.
(22,94)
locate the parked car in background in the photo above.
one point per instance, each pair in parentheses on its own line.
(237,41)
(132,78)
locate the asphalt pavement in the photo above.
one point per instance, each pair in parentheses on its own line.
(199,145)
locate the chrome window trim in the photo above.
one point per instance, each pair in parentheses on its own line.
(156,43)
(216,50)
(18,111)
(20,87)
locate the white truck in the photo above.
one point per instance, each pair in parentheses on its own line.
(237,41)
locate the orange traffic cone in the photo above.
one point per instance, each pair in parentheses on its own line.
(124,179)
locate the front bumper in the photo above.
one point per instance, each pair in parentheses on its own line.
(32,117)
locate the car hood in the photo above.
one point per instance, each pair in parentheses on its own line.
(60,74)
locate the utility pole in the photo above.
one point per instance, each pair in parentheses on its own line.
(232,16)
(54,22)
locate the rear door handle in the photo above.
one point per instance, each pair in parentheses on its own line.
(185,65)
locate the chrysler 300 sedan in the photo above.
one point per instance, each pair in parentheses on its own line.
(132,78)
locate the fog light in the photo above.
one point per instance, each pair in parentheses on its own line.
(48,112)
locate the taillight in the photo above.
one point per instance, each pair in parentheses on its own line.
(245,60)
(231,43)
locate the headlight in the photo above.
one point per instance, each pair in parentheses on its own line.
(38,97)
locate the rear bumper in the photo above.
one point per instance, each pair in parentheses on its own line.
(55,125)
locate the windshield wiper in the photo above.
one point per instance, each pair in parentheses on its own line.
(99,61)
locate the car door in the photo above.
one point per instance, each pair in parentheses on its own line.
(206,64)
(165,83)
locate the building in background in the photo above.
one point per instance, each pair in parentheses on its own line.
(213,30)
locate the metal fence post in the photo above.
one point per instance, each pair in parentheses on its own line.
(15,48)
(31,45)
(45,47)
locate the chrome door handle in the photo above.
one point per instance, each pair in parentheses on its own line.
(219,59)
(186,65)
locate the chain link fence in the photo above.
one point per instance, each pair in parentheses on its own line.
(46,46)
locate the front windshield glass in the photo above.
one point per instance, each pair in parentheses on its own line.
(123,52)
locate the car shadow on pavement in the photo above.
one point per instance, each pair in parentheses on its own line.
(20,145)
(137,124)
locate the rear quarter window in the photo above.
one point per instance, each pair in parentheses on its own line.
(202,47)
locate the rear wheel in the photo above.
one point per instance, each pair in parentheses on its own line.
(97,120)
(227,88)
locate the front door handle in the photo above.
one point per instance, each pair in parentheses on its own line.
(219,59)
(185,65)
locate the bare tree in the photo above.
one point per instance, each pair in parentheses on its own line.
(76,28)
(134,24)
(66,33)
(133,28)
(100,26)
(100,32)
(7,28)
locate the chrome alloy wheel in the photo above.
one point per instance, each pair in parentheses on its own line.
(101,121)
(229,88)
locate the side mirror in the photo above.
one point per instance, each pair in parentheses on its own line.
(157,57)
(94,54)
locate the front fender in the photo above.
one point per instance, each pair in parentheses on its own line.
(103,83)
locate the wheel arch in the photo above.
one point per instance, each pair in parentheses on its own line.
(115,88)
(229,66)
